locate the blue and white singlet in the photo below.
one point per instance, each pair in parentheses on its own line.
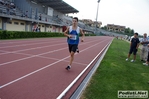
(75,36)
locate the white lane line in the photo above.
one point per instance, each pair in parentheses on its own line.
(2,86)
(31,73)
(24,41)
(75,80)
(63,60)
(28,44)
(49,58)
(36,55)
(30,57)
(32,43)
(7,52)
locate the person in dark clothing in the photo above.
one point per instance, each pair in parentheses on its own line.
(133,47)
(40,17)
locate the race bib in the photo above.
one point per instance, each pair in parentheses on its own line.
(73,37)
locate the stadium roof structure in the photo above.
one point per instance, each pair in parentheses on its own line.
(58,5)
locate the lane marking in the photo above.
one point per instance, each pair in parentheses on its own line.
(49,58)
(7,52)
(28,44)
(75,80)
(30,57)
(24,41)
(37,55)
(2,86)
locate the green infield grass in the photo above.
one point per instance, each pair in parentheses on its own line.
(114,73)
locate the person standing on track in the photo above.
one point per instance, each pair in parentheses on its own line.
(133,47)
(72,33)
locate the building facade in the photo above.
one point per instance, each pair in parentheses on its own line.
(115,28)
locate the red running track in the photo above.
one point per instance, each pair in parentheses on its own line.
(35,68)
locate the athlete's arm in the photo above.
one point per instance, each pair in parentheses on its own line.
(82,33)
(66,32)
(138,43)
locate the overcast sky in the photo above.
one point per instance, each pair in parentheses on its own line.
(129,13)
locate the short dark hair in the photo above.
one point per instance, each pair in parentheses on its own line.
(136,33)
(76,18)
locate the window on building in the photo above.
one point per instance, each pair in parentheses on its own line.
(16,23)
(9,22)
(22,23)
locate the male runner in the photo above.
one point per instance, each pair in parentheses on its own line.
(72,33)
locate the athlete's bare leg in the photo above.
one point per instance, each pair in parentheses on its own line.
(71,57)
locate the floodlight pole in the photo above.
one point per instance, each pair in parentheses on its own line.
(97,16)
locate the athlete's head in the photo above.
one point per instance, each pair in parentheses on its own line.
(75,21)
(135,35)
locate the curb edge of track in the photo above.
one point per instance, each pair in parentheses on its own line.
(78,92)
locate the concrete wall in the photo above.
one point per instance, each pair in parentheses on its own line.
(15,25)
(20,25)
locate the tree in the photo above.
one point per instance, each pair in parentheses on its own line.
(104,28)
(129,31)
(132,31)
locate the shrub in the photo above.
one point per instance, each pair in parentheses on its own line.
(22,34)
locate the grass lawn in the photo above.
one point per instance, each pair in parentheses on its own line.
(114,74)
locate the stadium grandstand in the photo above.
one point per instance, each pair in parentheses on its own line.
(27,15)
(41,15)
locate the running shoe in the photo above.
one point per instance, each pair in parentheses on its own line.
(127,59)
(132,61)
(77,50)
(68,67)
(145,64)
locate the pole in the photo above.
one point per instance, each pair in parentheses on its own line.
(97,16)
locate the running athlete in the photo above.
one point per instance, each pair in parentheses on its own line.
(72,33)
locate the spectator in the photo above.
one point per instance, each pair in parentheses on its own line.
(34,28)
(6,3)
(23,15)
(26,14)
(12,5)
(14,11)
(8,9)
(2,2)
(46,19)
(144,50)
(40,17)
(133,47)
(147,62)
(38,29)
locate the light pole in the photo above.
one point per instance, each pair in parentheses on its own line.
(97,16)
